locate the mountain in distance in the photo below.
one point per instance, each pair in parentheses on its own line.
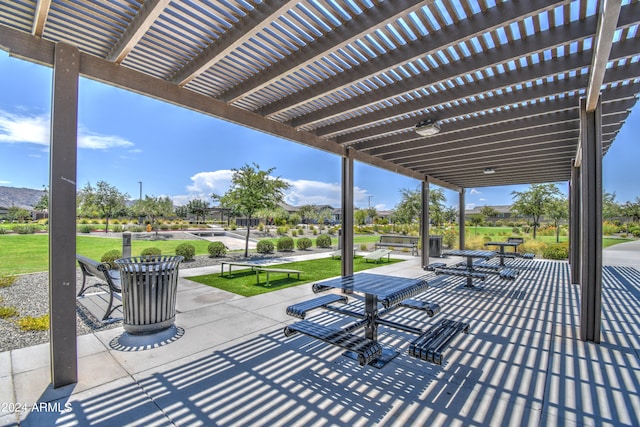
(25,198)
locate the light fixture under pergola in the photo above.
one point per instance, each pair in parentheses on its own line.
(427,127)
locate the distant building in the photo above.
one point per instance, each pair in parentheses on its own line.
(502,212)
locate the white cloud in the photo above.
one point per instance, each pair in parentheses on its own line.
(5,182)
(34,129)
(15,129)
(300,192)
(474,191)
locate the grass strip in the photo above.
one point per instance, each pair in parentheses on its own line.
(243,282)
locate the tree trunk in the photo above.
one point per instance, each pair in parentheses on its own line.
(246,241)
(106,225)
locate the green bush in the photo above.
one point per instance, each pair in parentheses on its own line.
(264,247)
(186,250)
(3,230)
(635,232)
(304,243)
(323,241)
(110,256)
(151,251)
(117,229)
(7,281)
(136,228)
(6,312)
(85,229)
(285,243)
(29,323)
(217,249)
(556,251)
(282,230)
(25,229)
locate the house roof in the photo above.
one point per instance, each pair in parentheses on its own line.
(502,79)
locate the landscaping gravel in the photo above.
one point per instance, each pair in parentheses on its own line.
(29,294)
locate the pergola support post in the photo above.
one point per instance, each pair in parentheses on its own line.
(591,222)
(424,223)
(461,218)
(347,215)
(574,224)
(62,216)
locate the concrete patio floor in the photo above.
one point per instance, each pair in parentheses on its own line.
(521,363)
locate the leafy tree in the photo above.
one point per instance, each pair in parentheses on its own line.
(409,208)
(631,210)
(436,206)
(16,213)
(252,189)
(198,208)
(323,215)
(610,208)
(43,203)
(308,213)
(557,210)
(476,220)
(450,214)
(153,208)
(372,214)
(488,212)
(360,216)
(105,198)
(533,202)
(181,211)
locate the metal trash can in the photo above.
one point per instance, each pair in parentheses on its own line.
(435,246)
(149,288)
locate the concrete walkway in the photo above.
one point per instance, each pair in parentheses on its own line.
(521,364)
(627,253)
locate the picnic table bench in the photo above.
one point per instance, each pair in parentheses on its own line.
(430,345)
(376,256)
(366,350)
(300,309)
(269,270)
(237,264)
(398,241)
(104,273)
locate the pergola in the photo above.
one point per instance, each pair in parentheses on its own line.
(521,91)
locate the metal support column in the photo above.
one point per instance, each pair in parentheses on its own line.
(574,224)
(424,223)
(62,216)
(591,222)
(461,218)
(347,215)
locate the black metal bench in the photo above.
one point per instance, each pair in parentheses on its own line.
(104,273)
(430,345)
(508,274)
(434,265)
(365,349)
(461,272)
(398,241)
(300,309)
(431,308)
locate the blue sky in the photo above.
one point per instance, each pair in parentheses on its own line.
(125,138)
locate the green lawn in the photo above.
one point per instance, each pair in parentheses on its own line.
(243,282)
(29,253)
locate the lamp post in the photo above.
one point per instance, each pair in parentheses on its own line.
(140,182)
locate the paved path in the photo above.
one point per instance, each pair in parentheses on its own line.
(626,254)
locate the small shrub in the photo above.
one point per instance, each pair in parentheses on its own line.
(84,221)
(136,228)
(636,232)
(264,247)
(85,229)
(6,312)
(186,250)
(261,226)
(7,281)
(29,323)
(285,243)
(217,249)
(3,230)
(294,232)
(110,257)
(364,247)
(304,243)
(151,251)
(25,229)
(117,229)
(282,230)
(556,251)
(323,241)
